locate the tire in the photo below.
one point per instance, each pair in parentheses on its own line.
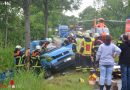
(47,74)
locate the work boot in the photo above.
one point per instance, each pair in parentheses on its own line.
(108,87)
(101,87)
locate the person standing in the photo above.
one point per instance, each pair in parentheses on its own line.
(87,46)
(124,62)
(78,45)
(105,56)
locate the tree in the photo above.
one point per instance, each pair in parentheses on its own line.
(26,4)
(89,13)
(51,5)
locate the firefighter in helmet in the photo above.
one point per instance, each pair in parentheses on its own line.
(18,55)
(70,37)
(78,45)
(96,45)
(86,51)
(35,57)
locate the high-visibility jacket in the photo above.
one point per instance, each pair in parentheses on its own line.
(119,42)
(17,54)
(79,44)
(35,53)
(87,45)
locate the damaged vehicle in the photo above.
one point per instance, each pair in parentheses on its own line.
(57,60)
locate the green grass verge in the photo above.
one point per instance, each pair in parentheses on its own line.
(28,81)
(6,58)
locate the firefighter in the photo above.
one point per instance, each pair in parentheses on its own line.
(35,57)
(44,46)
(86,51)
(70,37)
(96,45)
(18,55)
(66,42)
(120,40)
(79,40)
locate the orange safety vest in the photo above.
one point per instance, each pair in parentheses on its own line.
(17,54)
(101,25)
(87,47)
(35,53)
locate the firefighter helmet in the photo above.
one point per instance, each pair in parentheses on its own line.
(18,46)
(38,47)
(96,35)
(88,31)
(79,33)
(87,35)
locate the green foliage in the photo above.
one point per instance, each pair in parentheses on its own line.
(6,59)
(109,10)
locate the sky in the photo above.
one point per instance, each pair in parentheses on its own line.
(84,4)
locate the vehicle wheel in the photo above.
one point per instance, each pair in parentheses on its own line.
(47,74)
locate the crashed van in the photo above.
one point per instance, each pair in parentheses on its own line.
(58,59)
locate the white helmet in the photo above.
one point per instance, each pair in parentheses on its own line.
(18,46)
(71,34)
(50,39)
(96,35)
(79,33)
(87,35)
(88,31)
(38,47)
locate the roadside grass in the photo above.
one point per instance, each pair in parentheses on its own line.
(68,82)
(29,81)
(6,59)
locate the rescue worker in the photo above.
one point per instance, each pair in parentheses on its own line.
(18,55)
(122,39)
(66,42)
(86,51)
(70,37)
(119,42)
(96,45)
(44,46)
(35,57)
(79,40)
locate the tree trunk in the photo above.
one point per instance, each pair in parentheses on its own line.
(27,22)
(46,17)
(6,23)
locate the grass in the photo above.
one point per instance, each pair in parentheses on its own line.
(6,58)
(29,81)
(68,82)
